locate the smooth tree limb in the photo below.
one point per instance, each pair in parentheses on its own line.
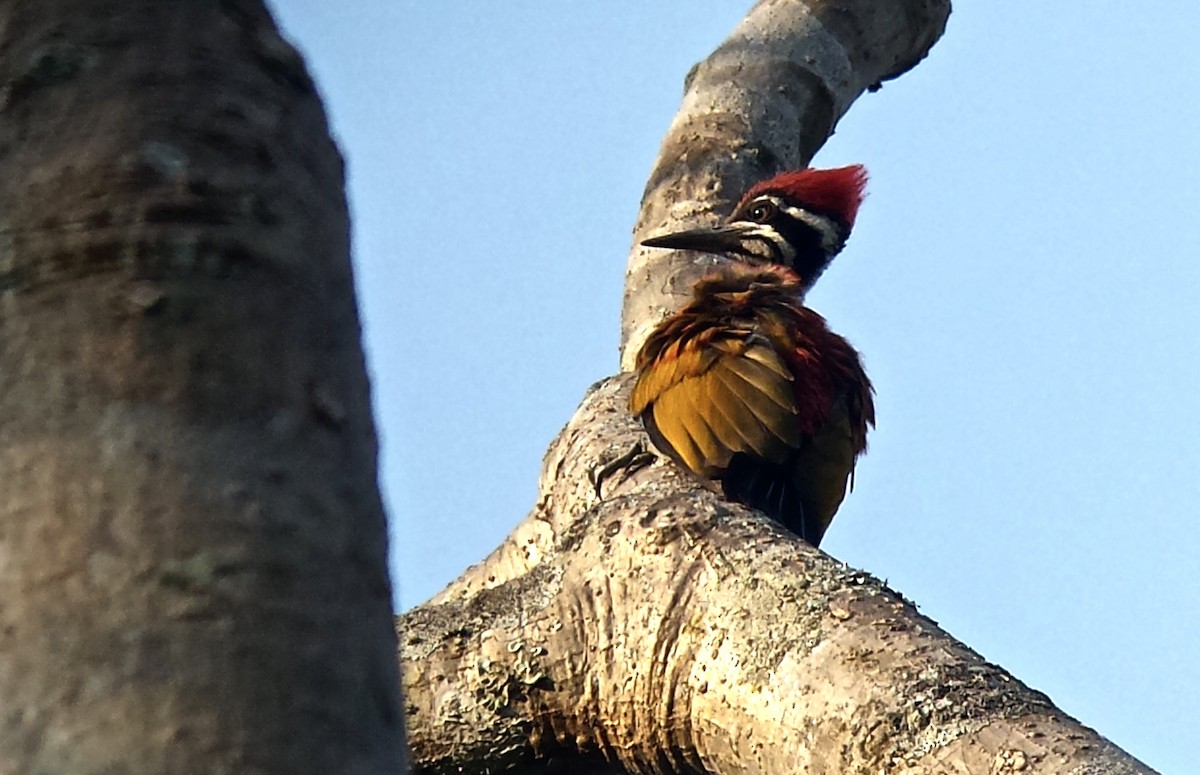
(635,621)
(193,556)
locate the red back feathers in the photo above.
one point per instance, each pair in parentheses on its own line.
(837,192)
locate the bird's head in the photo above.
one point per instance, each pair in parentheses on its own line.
(798,219)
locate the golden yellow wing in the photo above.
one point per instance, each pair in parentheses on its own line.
(707,398)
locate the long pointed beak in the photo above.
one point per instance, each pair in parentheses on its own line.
(718,239)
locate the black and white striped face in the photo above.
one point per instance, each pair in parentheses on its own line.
(782,232)
(768,229)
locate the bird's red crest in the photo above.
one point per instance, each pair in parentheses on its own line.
(836,192)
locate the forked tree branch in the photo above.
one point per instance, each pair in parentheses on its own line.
(635,621)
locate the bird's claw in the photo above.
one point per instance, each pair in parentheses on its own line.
(633,459)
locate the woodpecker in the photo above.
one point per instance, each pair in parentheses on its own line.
(745,385)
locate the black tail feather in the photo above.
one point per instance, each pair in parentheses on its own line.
(771,489)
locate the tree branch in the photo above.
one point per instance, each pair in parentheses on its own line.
(638,619)
(670,631)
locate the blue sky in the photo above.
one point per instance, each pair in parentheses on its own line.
(1023,283)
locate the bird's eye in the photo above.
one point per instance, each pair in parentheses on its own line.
(762,211)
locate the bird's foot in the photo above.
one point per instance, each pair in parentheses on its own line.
(633,459)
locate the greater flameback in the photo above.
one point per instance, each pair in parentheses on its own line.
(747,386)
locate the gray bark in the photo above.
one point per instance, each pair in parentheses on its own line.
(635,621)
(192,548)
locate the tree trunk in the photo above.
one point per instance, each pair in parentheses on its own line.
(635,621)
(192,548)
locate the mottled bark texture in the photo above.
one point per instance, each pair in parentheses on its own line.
(635,621)
(192,548)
